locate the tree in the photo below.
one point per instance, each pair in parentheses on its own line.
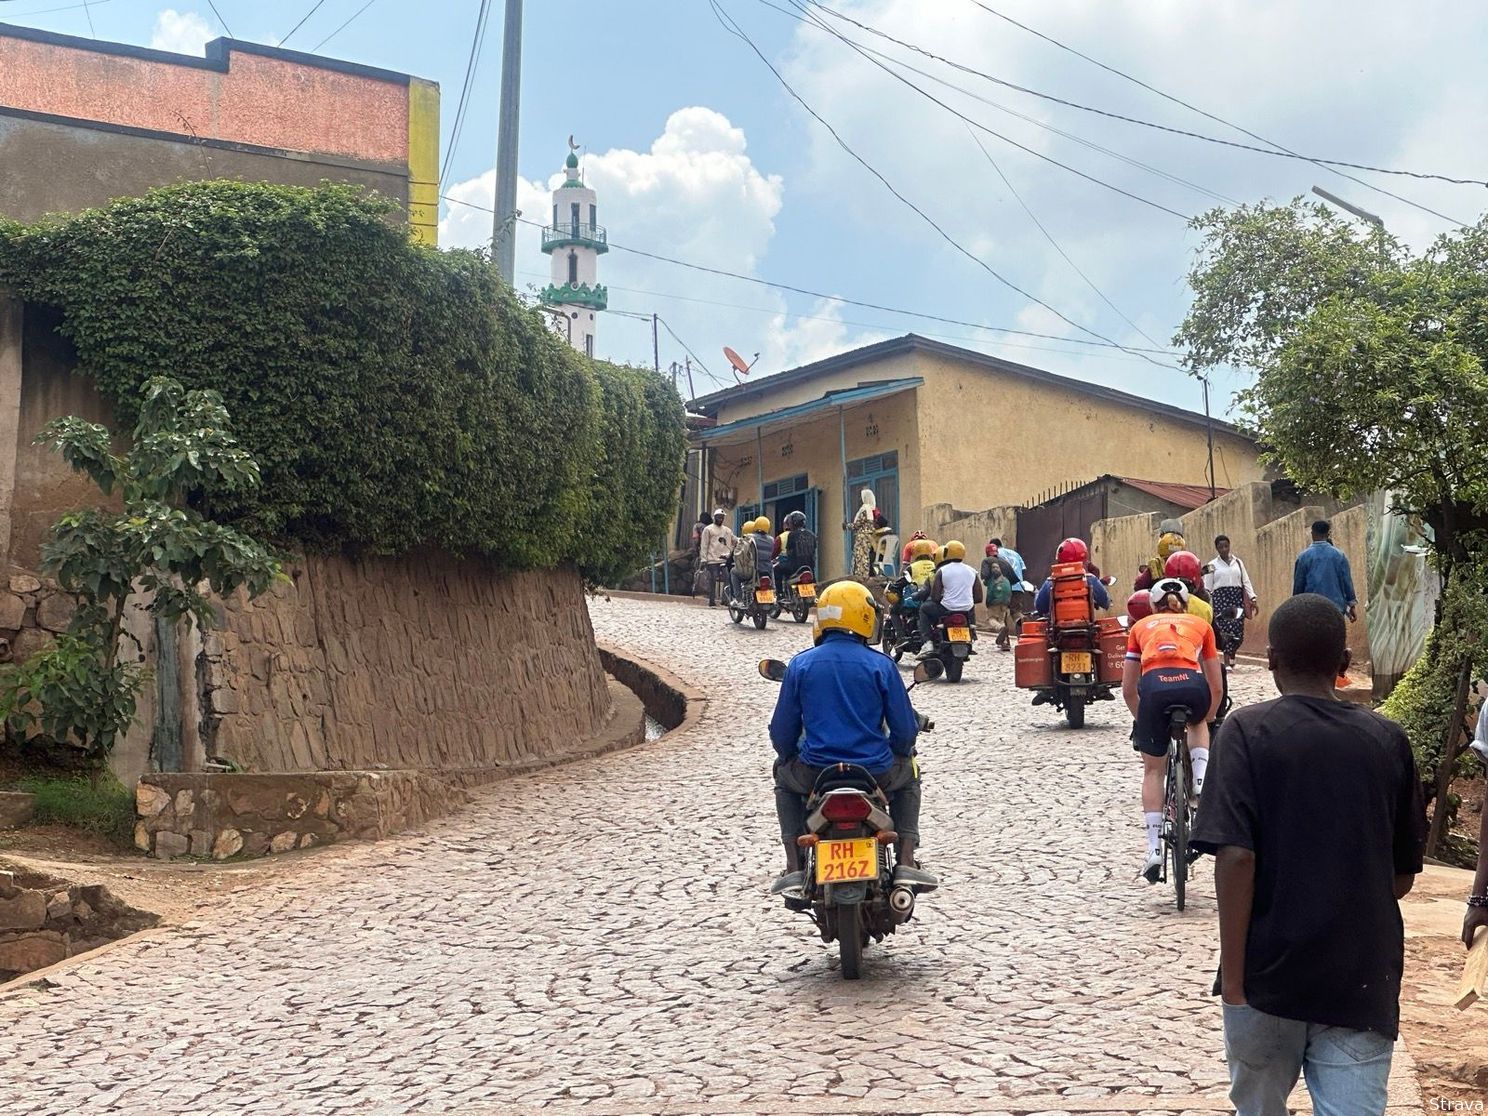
(1369,362)
(161,543)
(1369,374)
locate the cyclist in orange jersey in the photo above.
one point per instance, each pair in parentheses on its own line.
(1171,660)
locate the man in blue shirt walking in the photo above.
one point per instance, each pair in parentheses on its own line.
(843,702)
(1324,569)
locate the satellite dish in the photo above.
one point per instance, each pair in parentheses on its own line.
(740,366)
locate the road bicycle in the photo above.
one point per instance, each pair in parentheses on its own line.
(1179,807)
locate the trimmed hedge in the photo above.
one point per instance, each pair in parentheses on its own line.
(394,396)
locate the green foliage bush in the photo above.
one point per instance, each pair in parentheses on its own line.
(394,397)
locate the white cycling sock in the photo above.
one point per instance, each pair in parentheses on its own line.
(1200,757)
(1154,829)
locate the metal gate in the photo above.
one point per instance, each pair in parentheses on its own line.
(1042,529)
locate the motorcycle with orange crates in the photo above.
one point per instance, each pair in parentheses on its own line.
(1070,658)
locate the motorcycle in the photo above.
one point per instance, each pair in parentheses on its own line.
(757,603)
(900,625)
(951,638)
(797,596)
(850,893)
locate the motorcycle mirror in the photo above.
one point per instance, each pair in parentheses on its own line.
(928,669)
(772,669)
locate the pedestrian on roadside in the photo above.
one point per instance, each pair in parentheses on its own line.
(1477,899)
(1022,598)
(1314,812)
(695,552)
(996,577)
(1232,596)
(715,545)
(1324,569)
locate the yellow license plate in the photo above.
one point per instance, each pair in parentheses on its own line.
(1076,662)
(765,596)
(958,635)
(808,592)
(847,861)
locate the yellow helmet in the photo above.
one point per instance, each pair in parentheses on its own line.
(1169,544)
(762,525)
(747,527)
(847,606)
(953,551)
(922,548)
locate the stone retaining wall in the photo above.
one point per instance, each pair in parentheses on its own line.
(421,662)
(226,815)
(44,921)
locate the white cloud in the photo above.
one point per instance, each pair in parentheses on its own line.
(180,32)
(694,195)
(1337,78)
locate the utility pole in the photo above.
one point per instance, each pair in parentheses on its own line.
(504,227)
(1209,429)
(656,349)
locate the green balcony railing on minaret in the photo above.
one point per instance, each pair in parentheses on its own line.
(575,233)
(596,297)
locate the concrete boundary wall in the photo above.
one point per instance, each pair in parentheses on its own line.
(1266,534)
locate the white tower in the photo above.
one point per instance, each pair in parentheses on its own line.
(575,241)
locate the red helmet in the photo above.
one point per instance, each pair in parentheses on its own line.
(1184,564)
(1072,550)
(1138,605)
(991,550)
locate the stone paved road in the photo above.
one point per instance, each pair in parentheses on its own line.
(595,939)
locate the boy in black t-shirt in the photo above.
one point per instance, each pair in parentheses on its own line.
(1313,808)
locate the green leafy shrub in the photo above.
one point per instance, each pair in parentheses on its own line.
(394,397)
(100,805)
(77,693)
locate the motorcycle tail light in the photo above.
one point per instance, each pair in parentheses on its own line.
(846,808)
(766,583)
(806,578)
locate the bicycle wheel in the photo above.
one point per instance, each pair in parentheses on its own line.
(1178,782)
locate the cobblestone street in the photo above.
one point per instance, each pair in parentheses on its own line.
(596,938)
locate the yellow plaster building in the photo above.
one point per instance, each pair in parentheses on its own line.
(921,422)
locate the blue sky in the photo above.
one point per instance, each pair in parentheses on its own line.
(698,152)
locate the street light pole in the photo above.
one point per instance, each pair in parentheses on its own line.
(504,224)
(1363,214)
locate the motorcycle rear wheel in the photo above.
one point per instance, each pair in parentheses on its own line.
(953,667)
(801,611)
(850,939)
(759,620)
(1074,713)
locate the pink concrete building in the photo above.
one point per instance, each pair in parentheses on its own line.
(82,122)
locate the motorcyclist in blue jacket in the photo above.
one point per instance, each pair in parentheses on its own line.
(843,702)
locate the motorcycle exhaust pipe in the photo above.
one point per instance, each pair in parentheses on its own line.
(901,903)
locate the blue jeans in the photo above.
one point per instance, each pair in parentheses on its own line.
(1346,1070)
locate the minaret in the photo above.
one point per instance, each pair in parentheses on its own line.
(575,241)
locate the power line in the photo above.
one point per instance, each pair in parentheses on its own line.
(1089,282)
(477,40)
(212,4)
(1325,164)
(728,23)
(844,300)
(344,26)
(955,112)
(796,316)
(1177,180)
(314,8)
(49,11)
(1273,151)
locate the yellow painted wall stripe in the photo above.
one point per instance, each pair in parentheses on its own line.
(423,161)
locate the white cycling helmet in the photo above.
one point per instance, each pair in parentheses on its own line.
(1166,588)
